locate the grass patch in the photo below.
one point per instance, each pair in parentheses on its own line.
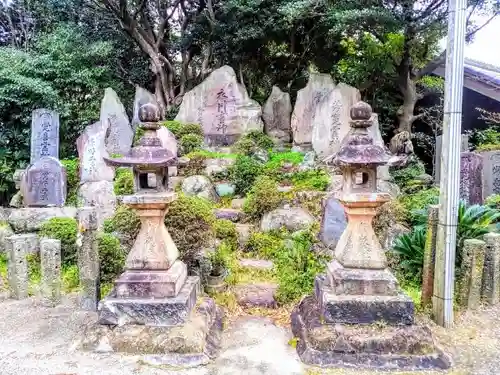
(214,155)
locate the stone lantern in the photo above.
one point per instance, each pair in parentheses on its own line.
(154,308)
(340,325)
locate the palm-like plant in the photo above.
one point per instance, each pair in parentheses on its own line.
(410,249)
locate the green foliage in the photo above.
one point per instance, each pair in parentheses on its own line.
(196,164)
(219,259)
(410,250)
(265,245)
(190,221)
(63,229)
(486,139)
(70,278)
(244,172)
(72,180)
(124,182)
(125,221)
(251,141)
(493,201)
(488,147)
(214,155)
(316,179)
(263,197)
(179,129)
(111,257)
(226,230)
(417,201)
(190,143)
(402,176)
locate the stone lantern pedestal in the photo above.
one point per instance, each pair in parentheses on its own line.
(155,308)
(358,316)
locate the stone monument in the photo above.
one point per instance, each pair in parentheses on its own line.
(44,134)
(153,308)
(359,317)
(45,183)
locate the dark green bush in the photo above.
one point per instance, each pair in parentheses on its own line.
(254,139)
(72,180)
(190,143)
(189,221)
(316,179)
(226,230)
(196,164)
(124,221)
(265,245)
(179,129)
(410,250)
(244,172)
(402,176)
(111,257)
(124,182)
(263,197)
(63,229)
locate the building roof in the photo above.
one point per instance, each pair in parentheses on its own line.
(478,76)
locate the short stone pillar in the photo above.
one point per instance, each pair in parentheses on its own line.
(471,177)
(88,259)
(491,275)
(429,256)
(17,249)
(50,259)
(471,274)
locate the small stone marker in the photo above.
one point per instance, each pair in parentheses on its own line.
(45,183)
(91,147)
(429,256)
(471,179)
(120,135)
(50,259)
(17,248)
(44,134)
(491,275)
(471,273)
(491,173)
(88,258)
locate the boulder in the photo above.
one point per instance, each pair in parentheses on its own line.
(244,232)
(293,219)
(321,114)
(224,189)
(199,186)
(333,223)
(308,161)
(168,140)
(98,194)
(391,233)
(331,118)
(276,115)
(120,133)
(256,295)
(223,108)
(30,219)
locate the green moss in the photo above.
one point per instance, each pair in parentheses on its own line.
(214,155)
(311,180)
(124,181)
(244,172)
(70,278)
(488,147)
(190,142)
(106,289)
(264,245)
(189,221)
(226,230)
(402,176)
(111,257)
(65,230)
(263,197)
(72,180)
(179,129)
(252,140)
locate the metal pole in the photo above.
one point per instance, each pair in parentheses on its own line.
(450,166)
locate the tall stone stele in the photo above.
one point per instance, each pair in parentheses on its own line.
(338,326)
(153,309)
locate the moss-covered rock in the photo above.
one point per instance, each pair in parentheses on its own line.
(111,256)
(190,223)
(263,197)
(251,141)
(190,143)
(65,230)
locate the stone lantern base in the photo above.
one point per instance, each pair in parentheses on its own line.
(379,346)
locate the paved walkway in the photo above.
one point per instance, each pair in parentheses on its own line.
(35,340)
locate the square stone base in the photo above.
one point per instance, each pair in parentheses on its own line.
(363,309)
(361,281)
(170,311)
(406,348)
(150,283)
(193,343)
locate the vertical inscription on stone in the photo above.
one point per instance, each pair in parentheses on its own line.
(221,125)
(44,134)
(46,183)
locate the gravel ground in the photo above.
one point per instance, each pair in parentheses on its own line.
(36,340)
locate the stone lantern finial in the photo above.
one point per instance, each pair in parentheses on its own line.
(361,111)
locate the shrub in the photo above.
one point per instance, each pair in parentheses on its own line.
(253,139)
(263,197)
(244,172)
(402,176)
(226,230)
(124,221)
(72,180)
(190,143)
(70,278)
(219,260)
(265,245)
(124,182)
(63,229)
(179,129)
(189,221)
(418,201)
(410,250)
(111,257)
(311,180)
(493,201)
(196,164)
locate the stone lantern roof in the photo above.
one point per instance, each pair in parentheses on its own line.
(149,153)
(358,148)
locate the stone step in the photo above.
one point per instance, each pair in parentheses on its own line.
(256,295)
(244,231)
(258,264)
(237,203)
(229,214)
